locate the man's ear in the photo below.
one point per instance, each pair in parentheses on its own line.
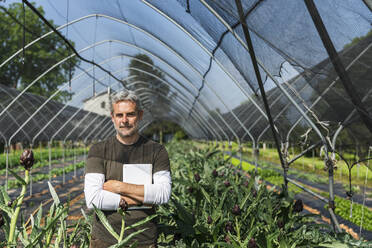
(140,114)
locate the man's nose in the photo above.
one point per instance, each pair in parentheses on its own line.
(124,119)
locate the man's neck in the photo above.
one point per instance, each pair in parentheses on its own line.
(128,140)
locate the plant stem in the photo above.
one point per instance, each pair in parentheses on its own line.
(122,226)
(13,222)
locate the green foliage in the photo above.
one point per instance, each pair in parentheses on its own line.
(225,208)
(41,230)
(343,210)
(42,176)
(41,157)
(38,58)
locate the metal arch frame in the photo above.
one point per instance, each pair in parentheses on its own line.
(88,114)
(98,43)
(328,88)
(105,126)
(44,73)
(219,64)
(31,103)
(134,83)
(175,53)
(178,110)
(209,53)
(99,125)
(11,117)
(283,109)
(164,81)
(339,129)
(209,131)
(61,110)
(311,123)
(40,107)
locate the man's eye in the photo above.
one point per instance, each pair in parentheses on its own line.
(119,115)
(131,114)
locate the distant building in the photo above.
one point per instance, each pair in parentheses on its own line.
(99,104)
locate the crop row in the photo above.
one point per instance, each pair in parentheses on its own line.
(342,205)
(42,176)
(41,155)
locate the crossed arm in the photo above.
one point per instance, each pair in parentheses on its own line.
(107,195)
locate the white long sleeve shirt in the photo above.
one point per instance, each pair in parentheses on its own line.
(157,193)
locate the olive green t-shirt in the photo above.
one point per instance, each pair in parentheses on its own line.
(108,158)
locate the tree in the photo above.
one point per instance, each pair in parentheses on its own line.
(149,78)
(20,72)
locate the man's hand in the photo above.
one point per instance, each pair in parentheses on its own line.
(133,191)
(113,186)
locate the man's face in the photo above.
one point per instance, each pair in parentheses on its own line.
(126,118)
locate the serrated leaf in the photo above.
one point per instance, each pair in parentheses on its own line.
(23,182)
(105,222)
(54,194)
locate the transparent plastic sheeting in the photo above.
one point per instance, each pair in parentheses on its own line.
(201,75)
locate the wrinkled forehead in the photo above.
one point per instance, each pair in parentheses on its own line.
(124,106)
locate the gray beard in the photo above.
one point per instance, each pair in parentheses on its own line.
(133,132)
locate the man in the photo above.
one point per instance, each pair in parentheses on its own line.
(104,186)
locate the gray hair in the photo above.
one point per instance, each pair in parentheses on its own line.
(125,95)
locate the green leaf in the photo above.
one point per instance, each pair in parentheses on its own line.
(45,230)
(141,222)
(336,244)
(23,182)
(5,195)
(7,209)
(54,194)
(128,238)
(84,214)
(206,195)
(105,222)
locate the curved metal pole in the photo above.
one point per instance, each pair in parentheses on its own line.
(71,117)
(61,110)
(165,82)
(13,119)
(100,125)
(281,112)
(46,72)
(329,87)
(155,38)
(311,123)
(179,112)
(339,129)
(210,55)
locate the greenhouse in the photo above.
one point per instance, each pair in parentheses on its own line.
(263,107)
